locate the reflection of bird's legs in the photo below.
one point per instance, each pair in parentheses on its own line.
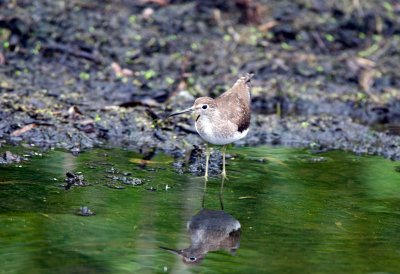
(203,200)
(220,193)
(223,163)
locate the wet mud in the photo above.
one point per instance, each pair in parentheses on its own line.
(83,74)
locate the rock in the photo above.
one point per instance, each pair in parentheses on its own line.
(85,211)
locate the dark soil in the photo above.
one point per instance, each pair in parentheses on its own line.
(83,73)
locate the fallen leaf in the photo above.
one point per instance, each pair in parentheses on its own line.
(127,72)
(364,62)
(23,130)
(158,2)
(267,26)
(182,85)
(119,71)
(359,63)
(116,68)
(2,59)
(148,102)
(366,79)
(147,13)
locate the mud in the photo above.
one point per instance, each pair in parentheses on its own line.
(82,74)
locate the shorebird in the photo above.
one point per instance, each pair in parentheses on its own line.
(225,119)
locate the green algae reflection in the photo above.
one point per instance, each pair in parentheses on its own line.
(300,213)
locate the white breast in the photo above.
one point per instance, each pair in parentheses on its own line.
(211,135)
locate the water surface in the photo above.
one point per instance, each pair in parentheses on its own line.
(299,213)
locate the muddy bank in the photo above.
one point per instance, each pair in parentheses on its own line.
(82,74)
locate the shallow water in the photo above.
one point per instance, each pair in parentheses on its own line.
(299,213)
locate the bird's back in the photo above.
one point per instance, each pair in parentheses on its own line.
(234,104)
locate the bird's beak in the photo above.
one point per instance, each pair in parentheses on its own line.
(183,111)
(173,251)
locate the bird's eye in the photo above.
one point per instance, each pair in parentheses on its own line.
(192,259)
(204,106)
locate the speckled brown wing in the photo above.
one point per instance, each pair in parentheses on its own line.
(234,104)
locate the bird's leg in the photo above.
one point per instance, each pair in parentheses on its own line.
(223,177)
(223,163)
(206,176)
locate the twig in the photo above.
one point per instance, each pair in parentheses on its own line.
(319,41)
(72,51)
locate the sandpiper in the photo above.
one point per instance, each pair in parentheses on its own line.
(225,119)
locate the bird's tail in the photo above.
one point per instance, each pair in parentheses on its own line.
(243,82)
(246,78)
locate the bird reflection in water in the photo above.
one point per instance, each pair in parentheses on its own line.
(209,230)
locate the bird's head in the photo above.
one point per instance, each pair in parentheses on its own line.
(189,255)
(201,106)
